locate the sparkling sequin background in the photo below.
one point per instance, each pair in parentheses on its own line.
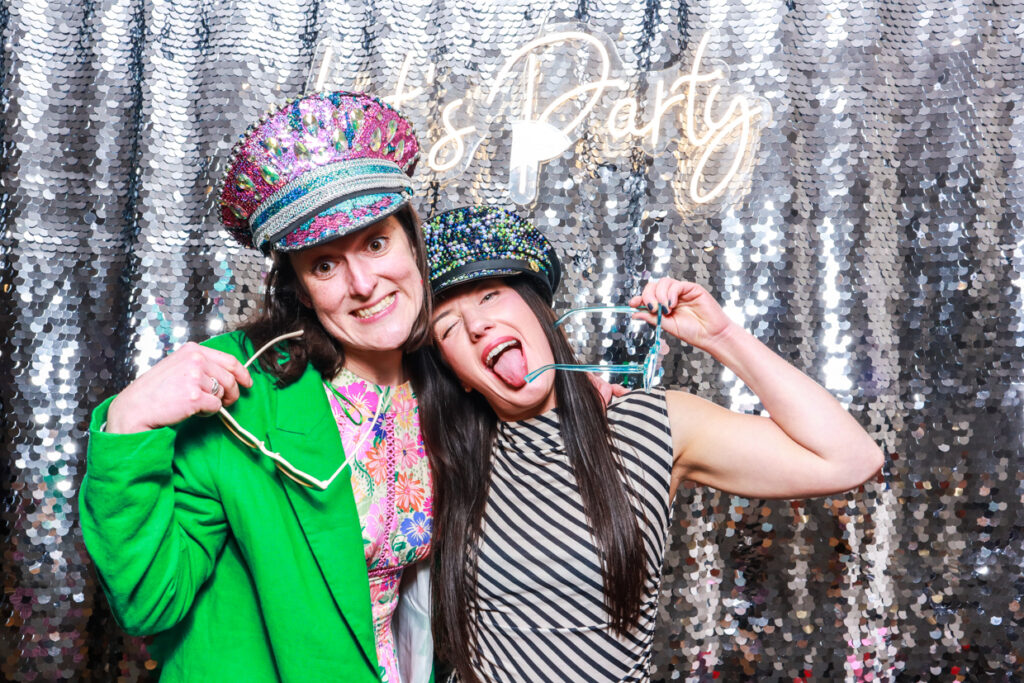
(879,247)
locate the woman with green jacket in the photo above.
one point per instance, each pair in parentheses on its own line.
(256,501)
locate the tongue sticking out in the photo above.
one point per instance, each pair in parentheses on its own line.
(511,367)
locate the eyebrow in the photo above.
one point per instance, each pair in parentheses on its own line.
(439,317)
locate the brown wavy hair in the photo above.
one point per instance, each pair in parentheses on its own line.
(283,311)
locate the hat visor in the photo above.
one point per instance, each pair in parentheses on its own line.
(345,217)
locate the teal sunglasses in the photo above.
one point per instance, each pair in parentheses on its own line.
(650,369)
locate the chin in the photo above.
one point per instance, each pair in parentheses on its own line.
(528,401)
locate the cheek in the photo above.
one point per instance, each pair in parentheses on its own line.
(453,359)
(460,360)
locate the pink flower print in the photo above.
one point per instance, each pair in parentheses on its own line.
(374,523)
(362,400)
(404,407)
(410,450)
(377,462)
(403,400)
(409,492)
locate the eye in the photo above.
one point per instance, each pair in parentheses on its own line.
(445,329)
(377,245)
(489,296)
(323,268)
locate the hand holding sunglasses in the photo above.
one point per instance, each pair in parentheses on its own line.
(192,380)
(690,313)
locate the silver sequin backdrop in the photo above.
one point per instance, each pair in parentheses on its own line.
(877,244)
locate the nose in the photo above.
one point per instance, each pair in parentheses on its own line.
(477,325)
(362,278)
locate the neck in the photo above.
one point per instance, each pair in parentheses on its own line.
(380,367)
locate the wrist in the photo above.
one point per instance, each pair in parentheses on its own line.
(730,344)
(724,339)
(119,419)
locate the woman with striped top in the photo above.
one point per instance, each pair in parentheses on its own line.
(552,512)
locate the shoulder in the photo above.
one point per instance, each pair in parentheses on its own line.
(239,345)
(235,343)
(641,430)
(639,405)
(641,420)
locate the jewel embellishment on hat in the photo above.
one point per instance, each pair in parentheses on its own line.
(477,242)
(317,168)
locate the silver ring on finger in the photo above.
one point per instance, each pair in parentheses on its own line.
(215,386)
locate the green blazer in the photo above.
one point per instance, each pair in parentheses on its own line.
(243,574)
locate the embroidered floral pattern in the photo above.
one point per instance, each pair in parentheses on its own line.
(409,493)
(392,488)
(417,529)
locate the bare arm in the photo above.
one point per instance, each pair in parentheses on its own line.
(809,446)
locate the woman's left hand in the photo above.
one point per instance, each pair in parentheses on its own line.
(690,313)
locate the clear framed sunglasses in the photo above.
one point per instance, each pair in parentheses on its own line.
(650,369)
(289,470)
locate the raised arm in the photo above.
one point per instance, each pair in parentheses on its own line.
(149,507)
(809,446)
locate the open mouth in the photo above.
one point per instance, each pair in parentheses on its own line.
(370,311)
(505,359)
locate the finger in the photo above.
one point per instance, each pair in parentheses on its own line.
(208,404)
(602,387)
(646,316)
(227,389)
(672,297)
(662,292)
(230,364)
(649,296)
(689,291)
(198,393)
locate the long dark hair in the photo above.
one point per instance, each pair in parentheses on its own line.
(459,431)
(283,312)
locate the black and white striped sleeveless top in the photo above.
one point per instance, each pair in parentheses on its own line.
(540,608)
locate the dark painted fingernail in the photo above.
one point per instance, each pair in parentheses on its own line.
(650,307)
(664,310)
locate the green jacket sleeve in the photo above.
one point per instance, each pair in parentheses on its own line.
(152,519)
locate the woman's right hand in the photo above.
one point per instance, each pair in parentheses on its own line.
(194,379)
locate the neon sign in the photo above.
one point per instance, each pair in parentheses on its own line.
(568,83)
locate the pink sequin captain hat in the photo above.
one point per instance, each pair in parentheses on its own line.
(317,168)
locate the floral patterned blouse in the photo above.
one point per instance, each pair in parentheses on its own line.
(391,482)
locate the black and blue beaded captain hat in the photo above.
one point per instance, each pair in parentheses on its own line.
(477,242)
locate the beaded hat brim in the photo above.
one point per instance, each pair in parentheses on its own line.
(486,269)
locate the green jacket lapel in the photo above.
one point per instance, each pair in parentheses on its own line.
(306,435)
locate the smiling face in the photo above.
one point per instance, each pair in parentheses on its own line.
(367,292)
(491,338)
